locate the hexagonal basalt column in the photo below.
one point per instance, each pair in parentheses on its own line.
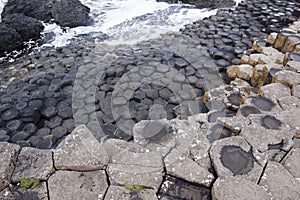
(233,156)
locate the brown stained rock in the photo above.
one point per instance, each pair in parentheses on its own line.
(8,159)
(281,38)
(245,59)
(237,188)
(121,193)
(279,183)
(271,38)
(80,151)
(288,78)
(150,177)
(259,77)
(181,166)
(69,185)
(233,156)
(13,192)
(292,163)
(275,90)
(290,43)
(33,163)
(233,71)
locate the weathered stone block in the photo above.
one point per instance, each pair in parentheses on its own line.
(288,78)
(70,185)
(8,159)
(80,151)
(117,192)
(233,157)
(292,163)
(179,165)
(237,188)
(13,192)
(279,182)
(275,90)
(120,174)
(33,163)
(296,91)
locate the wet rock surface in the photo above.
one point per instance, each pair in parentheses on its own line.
(123,100)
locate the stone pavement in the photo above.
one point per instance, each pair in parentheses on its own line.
(252,155)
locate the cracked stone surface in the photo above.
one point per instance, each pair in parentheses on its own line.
(77,185)
(292,163)
(279,182)
(117,192)
(33,163)
(8,159)
(265,131)
(233,156)
(147,176)
(237,188)
(177,164)
(13,192)
(271,90)
(80,151)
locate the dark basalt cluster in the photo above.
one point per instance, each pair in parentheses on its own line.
(228,33)
(205,3)
(238,161)
(22,20)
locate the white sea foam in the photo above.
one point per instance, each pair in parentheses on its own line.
(127,21)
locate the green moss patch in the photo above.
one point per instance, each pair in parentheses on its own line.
(135,188)
(29,183)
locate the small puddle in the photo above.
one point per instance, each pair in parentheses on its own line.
(238,161)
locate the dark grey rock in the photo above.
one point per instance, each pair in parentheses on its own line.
(9,114)
(18,136)
(59,132)
(10,39)
(27,27)
(14,125)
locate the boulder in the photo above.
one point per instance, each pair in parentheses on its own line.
(67,13)
(38,9)
(10,39)
(27,27)
(70,13)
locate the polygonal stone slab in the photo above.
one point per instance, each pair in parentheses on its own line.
(289,103)
(120,174)
(288,78)
(179,165)
(117,192)
(174,188)
(80,151)
(237,188)
(292,163)
(14,192)
(233,156)
(275,90)
(8,159)
(235,124)
(33,163)
(70,185)
(265,131)
(279,182)
(296,90)
(265,105)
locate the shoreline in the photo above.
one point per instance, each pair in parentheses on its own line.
(199,142)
